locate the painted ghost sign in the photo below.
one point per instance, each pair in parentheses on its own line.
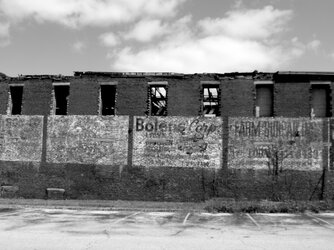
(296,142)
(177,142)
(21,138)
(88,139)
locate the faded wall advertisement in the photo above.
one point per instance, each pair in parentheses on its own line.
(21,138)
(177,142)
(291,143)
(88,139)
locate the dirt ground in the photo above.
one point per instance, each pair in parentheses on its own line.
(24,227)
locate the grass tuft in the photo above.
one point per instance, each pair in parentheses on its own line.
(230,206)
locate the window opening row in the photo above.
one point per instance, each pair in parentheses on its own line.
(320,99)
(158,100)
(60,99)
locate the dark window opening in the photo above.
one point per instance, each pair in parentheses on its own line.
(16,93)
(211,95)
(320,102)
(108,99)
(61,99)
(158,100)
(264,100)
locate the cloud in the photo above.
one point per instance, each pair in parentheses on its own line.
(79,46)
(299,48)
(4,34)
(243,40)
(248,24)
(202,55)
(314,45)
(109,39)
(146,30)
(76,13)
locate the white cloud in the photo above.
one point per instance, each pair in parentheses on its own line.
(314,45)
(109,39)
(79,46)
(244,40)
(249,24)
(210,54)
(146,30)
(4,34)
(299,48)
(78,13)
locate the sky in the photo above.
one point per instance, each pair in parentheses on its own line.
(183,36)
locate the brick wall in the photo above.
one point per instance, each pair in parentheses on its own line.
(131,96)
(184,97)
(3,97)
(95,181)
(292,99)
(84,96)
(37,97)
(331,100)
(237,98)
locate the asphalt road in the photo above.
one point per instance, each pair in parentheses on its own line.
(42,228)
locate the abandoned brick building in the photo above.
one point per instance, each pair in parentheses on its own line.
(168,136)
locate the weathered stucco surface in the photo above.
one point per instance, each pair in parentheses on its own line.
(191,142)
(21,138)
(88,139)
(296,142)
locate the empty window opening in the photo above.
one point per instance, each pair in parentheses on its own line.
(158,100)
(61,94)
(264,100)
(320,104)
(15,100)
(108,99)
(211,102)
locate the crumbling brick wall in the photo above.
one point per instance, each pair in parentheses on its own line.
(292,99)
(84,96)
(113,181)
(131,96)
(184,97)
(237,98)
(4,91)
(37,97)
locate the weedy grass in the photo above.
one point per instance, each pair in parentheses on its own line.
(265,206)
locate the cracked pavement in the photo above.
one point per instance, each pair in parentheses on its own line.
(52,228)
